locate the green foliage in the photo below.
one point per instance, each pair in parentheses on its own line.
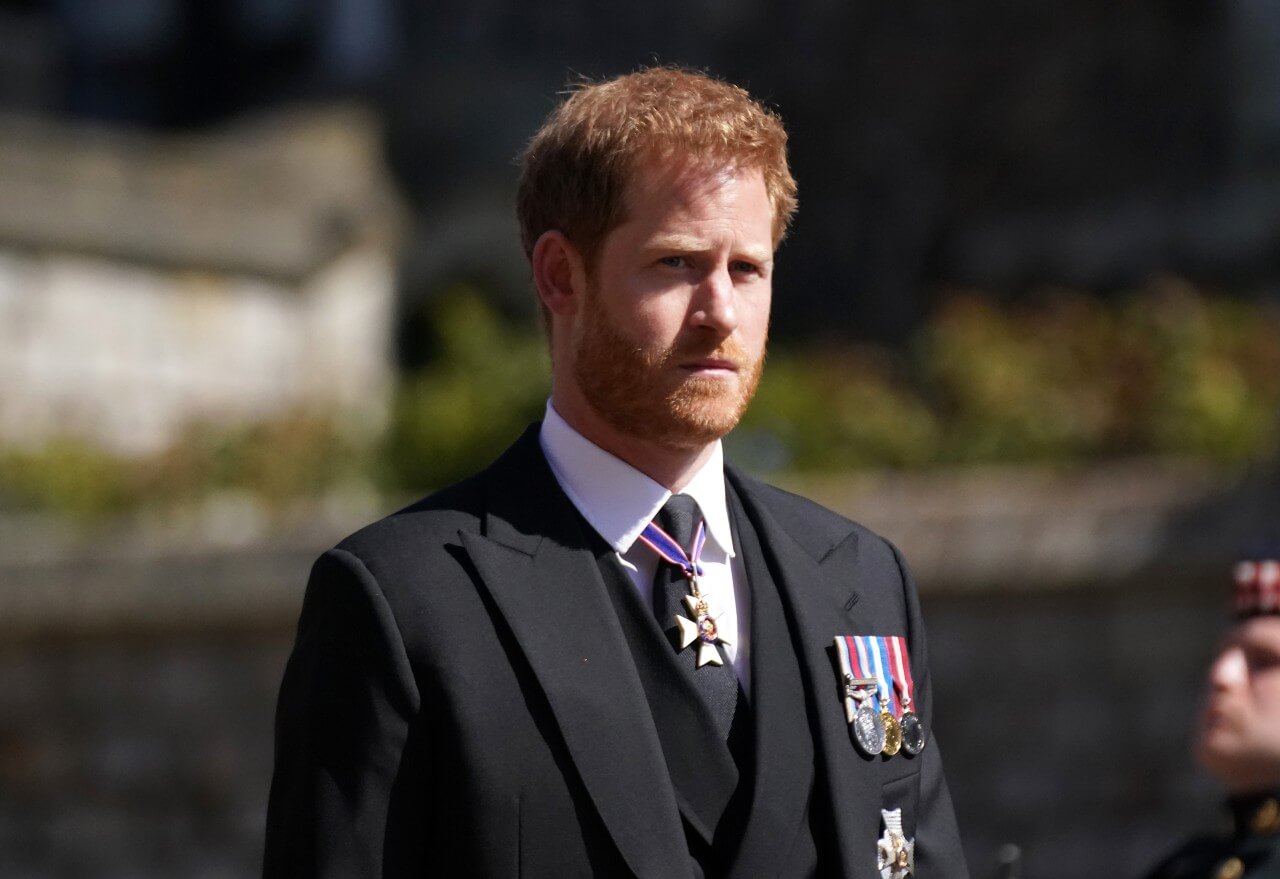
(452,418)
(68,476)
(1211,373)
(1165,371)
(298,455)
(1021,384)
(1065,376)
(837,410)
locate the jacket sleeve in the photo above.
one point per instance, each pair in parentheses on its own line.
(938,851)
(342,721)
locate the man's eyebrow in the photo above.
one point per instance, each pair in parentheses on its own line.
(760,256)
(676,241)
(693,244)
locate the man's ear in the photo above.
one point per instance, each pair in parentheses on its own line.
(559,273)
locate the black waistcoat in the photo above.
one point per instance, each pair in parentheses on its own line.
(746,803)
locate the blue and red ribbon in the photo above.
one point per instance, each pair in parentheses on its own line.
(902,668)
(665,545)
(884,674)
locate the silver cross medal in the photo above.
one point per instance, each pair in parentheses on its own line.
(699,627)
(895,854)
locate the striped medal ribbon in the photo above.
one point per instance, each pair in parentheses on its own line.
(912,727)
(866,723)
(878,651)
(665,545)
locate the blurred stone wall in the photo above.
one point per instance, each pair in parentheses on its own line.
(124,757)
(1063,720)
(150,281)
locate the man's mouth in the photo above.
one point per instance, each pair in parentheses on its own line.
(1215,715)
(711,366)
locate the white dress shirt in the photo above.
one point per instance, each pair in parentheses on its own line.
(619,501)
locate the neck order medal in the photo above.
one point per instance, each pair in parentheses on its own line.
(699,626)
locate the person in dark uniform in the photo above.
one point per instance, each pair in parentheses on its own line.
(1238,739)
(610,653)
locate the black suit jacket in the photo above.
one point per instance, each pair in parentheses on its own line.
(461,699)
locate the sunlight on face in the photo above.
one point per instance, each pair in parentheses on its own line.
(671,343)
(1239,735)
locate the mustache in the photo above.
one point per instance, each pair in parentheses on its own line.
(729,350)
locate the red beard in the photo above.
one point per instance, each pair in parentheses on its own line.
(644,393)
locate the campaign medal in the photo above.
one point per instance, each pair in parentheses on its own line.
(699,626)
(895,854)
(876,649)
(912,733)
(868,729)
(857,690)
(912,728)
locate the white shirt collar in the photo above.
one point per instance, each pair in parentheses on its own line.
(617,499)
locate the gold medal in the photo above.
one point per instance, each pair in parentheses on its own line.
(892,734)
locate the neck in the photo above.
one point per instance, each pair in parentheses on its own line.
(672,468)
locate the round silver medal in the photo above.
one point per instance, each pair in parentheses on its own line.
(912,733)
(868,729)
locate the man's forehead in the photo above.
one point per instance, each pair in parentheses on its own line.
(683,176)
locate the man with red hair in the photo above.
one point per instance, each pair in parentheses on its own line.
(610,653)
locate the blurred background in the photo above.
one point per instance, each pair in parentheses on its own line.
(260,283)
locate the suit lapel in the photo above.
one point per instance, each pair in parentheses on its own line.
(534,561)
(813,601)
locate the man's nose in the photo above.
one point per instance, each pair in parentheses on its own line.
(1229,669)
(714,305)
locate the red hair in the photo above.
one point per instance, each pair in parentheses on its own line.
(575,171)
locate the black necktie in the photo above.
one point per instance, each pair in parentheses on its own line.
(679,517)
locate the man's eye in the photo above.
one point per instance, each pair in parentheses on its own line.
(1261,660)
(674,262)
(746,268)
